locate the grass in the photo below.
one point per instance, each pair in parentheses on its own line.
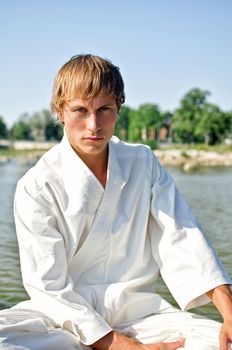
(10,152)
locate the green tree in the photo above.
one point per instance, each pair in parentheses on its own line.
(45,127)
(3,129)
(145,122)
(122,125)
(186,118)
(212,127)
(228,124)
(37,122)
(167,126)
(134,131)
(21,129)
(53,129)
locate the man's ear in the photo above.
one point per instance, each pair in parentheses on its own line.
(60,117)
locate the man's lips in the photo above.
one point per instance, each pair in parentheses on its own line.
(93,138)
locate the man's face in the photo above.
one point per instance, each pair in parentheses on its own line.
(89,124)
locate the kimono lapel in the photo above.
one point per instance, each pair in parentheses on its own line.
(115,181)
(95,248)
(83,189)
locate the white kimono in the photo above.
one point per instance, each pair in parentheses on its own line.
(90,257)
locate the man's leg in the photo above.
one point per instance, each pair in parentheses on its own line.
(25,330)
(200,333)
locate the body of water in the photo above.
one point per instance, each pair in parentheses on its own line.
(209,193)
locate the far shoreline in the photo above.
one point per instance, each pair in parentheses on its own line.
(188,159)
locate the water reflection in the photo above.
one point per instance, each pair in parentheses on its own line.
(11,290)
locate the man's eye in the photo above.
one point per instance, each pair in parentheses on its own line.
(103,108)
(79,109)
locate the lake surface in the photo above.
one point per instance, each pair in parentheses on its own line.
(209,193)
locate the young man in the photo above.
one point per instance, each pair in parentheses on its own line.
(97,220)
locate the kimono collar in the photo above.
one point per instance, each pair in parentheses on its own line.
(114,172)
(75,167)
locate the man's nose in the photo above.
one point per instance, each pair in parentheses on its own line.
(92,122)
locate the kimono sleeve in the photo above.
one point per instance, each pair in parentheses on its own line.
(187,262)
(44,269)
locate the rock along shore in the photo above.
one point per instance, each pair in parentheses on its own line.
(192,159)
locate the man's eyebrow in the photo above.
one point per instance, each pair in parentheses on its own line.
(80,105)
(106,104)
(77,105)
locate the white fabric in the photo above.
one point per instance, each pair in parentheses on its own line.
(90,257)
(26,329)
(199,333)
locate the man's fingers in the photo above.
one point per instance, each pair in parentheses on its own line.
(173,345)
(223,341)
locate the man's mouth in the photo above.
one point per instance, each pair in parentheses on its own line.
(93,138)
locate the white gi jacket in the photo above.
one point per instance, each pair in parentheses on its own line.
(90,257)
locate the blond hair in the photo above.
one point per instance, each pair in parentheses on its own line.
(86,76)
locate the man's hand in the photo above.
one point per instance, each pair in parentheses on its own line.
(226,334)
(222,298)
(117,341)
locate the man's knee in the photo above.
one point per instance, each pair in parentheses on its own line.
(54,339)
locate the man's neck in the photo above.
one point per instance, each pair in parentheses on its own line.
(98,165)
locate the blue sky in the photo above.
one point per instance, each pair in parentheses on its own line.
(163,48)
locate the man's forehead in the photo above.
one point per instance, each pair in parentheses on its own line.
(95,101)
